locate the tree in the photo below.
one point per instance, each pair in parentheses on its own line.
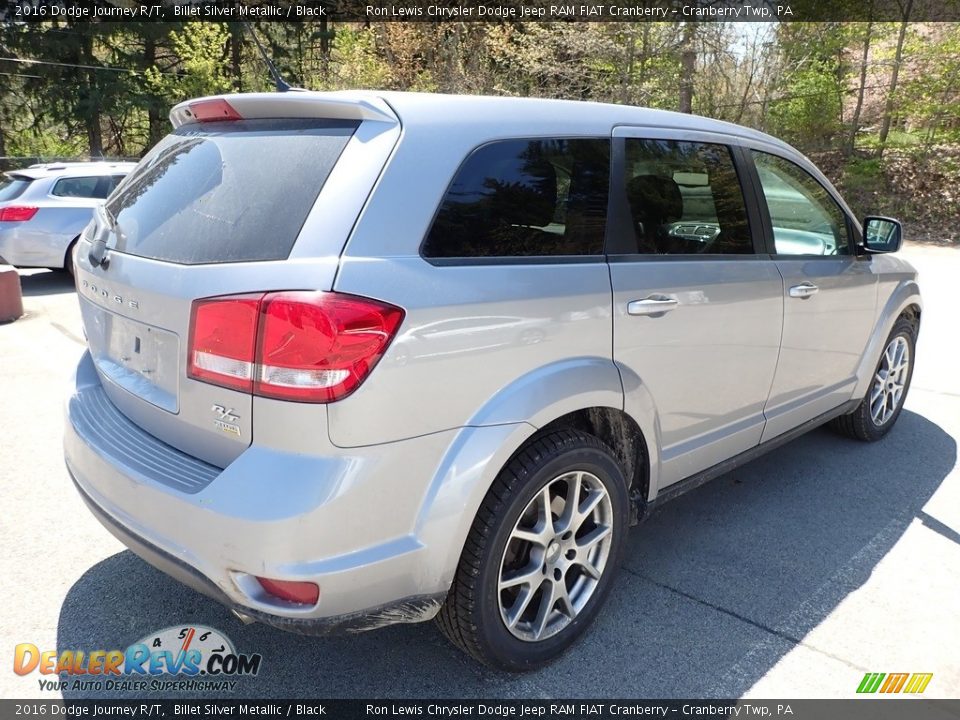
(895,74)
(688,62)
(865,54)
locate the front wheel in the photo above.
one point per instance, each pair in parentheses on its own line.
(881,407)
(541,555)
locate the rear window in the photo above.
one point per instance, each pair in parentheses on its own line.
(12,187)
(227,192)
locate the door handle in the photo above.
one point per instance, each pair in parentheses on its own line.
(652,305)
(803,290)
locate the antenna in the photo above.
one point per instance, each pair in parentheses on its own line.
(282,85)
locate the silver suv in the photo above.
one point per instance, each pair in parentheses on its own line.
(44,208)
(368,358)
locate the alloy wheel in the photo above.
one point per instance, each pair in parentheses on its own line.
(555,556)
(890,380)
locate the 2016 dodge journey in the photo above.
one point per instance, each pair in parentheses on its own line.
(365,358)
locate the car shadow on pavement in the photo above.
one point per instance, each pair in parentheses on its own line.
(52,282)
(717,587)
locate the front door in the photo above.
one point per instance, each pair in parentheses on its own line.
(829,295)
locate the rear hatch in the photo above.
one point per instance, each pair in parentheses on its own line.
(260,195)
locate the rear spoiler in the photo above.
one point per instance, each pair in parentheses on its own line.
(332,105)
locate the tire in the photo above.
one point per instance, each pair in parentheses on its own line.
(68,258)
(866,423)
(477,610)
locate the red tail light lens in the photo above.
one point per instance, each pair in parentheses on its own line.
(318,347)
(223,337)
(17,213)
(307,346)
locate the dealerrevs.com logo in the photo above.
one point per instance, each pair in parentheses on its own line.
(199,658)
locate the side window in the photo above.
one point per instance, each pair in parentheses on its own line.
(685,198)
(806,219)
(80,187)
(525,198)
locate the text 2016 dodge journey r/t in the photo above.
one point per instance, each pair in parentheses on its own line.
(364,358)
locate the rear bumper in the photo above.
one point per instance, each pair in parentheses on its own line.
(268,514)
(414,608)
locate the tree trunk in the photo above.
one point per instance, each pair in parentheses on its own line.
(92,115)
(94,135)
(156,122)
(688,61)
(855,120)
(626,74)
(898,58)
(236,56)
(4,163)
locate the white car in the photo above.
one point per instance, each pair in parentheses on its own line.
(44,208)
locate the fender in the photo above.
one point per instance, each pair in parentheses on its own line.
(479,451)
(906,293)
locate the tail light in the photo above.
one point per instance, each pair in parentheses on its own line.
(17,213)
(302,346)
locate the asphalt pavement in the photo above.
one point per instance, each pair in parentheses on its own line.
(790,577)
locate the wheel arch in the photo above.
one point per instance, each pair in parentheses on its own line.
(904,300)
(478,454)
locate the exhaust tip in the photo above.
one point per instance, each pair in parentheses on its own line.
(242,617)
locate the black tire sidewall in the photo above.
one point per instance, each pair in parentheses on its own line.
(508,651)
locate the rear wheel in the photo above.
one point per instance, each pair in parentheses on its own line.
(881,406)
(68,257)
(541,554)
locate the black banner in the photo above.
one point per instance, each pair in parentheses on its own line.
(853,709)
(483,11)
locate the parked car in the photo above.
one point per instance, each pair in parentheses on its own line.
(43,209)
(367,358)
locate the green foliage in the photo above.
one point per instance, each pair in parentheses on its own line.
(809,112)
(356,62)
(46,142)
(864,175)
(200,70)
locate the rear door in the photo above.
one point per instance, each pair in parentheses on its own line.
(830,293)
(216,208)
(697,309)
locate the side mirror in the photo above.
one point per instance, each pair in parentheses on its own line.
(881,234)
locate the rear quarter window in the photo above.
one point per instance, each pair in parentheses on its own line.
(227,192)
(539,197)
(12,187)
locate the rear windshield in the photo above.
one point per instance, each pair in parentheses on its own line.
(12,187)
(226,192)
